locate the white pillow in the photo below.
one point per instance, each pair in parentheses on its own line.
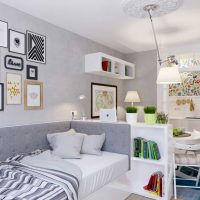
(52,137)
(68,146)
(92,144)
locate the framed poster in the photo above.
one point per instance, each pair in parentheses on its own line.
(14,88)
(102,96)
(13,63)
(33,95)
(3,34)
(16,42)
(31,72)
(1,96)
(36,47)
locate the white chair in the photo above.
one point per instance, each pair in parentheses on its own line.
(188,160)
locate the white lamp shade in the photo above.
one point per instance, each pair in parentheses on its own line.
(132,96)
(169,75)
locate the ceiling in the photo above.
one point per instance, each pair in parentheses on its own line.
(104,21)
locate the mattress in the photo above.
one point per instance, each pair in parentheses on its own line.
(99,170)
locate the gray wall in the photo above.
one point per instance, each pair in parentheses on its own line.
(146,74)
(63,74)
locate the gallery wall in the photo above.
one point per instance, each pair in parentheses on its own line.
(63,74)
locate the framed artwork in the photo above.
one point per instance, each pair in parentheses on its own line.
(33,95)
(3,34)
(14,88)
(1,97)
(17,42)
(13,63)
(32,72)
(102,96)
(36,47)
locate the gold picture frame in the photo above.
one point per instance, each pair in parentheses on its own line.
(33,95)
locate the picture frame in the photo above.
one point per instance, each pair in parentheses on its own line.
(3,34)
(36,47)
(102,96)
(13,63)
(33,95)
(32,72)
(17,42)
(1,97)
(13,89)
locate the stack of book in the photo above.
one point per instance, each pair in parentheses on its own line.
(155,185)
(146,149)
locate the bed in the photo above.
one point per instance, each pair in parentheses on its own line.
(114,161)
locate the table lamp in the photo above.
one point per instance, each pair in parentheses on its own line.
(132,97)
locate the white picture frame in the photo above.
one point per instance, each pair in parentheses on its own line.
(3,34)
(13,89)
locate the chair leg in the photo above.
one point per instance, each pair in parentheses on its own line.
(174,166)
(198,177)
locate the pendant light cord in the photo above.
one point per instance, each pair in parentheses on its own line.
(155,38)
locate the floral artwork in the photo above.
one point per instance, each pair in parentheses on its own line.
(190,85)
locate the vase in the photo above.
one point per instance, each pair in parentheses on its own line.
(131,118)
(150,119)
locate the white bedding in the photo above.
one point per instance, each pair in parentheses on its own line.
(96,170)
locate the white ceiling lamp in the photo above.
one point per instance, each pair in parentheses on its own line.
(156,8)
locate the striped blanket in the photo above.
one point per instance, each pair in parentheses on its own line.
(22,182)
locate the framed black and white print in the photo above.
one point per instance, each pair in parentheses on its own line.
(3,34)
(17,42)
(1,96)
(36,47)
(32,72)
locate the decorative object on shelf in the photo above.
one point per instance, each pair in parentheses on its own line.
(33,95)
(13,63)
(102,96)
(162,118)
(1,97)
(132,97)
(131,114)
(190,85)
(155,184)
(14,89)
(105,65)
(3,34)
(150,9)
(150,115)
(17,42)
(36,47)
(83,100)
(108,115)
(32,72)
(192,106)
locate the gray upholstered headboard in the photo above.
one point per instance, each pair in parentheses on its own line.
(24,139)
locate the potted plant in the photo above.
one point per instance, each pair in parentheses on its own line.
(162,118)
(131,114)
(150,115)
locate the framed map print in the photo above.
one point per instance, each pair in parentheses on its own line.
(14,89)
(33,95)
(102,97)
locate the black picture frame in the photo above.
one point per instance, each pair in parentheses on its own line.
(13,67)
(28,74)
(7,34)
(114,87)
(9,42)
(27,47)
(2,96)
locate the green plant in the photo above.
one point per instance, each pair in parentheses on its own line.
(131,109)
(162,118)
(150,110)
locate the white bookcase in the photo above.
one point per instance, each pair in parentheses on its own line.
(118,68)
(141,169)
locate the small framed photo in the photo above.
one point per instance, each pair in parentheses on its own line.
(102,96)
(1,96)
(17,43)
(3,34)
(33,95)
(32,72)
(13,63)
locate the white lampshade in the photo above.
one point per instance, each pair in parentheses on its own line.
(169,75)
(132,96)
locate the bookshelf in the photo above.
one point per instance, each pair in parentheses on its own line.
(113,67)
(142,169)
